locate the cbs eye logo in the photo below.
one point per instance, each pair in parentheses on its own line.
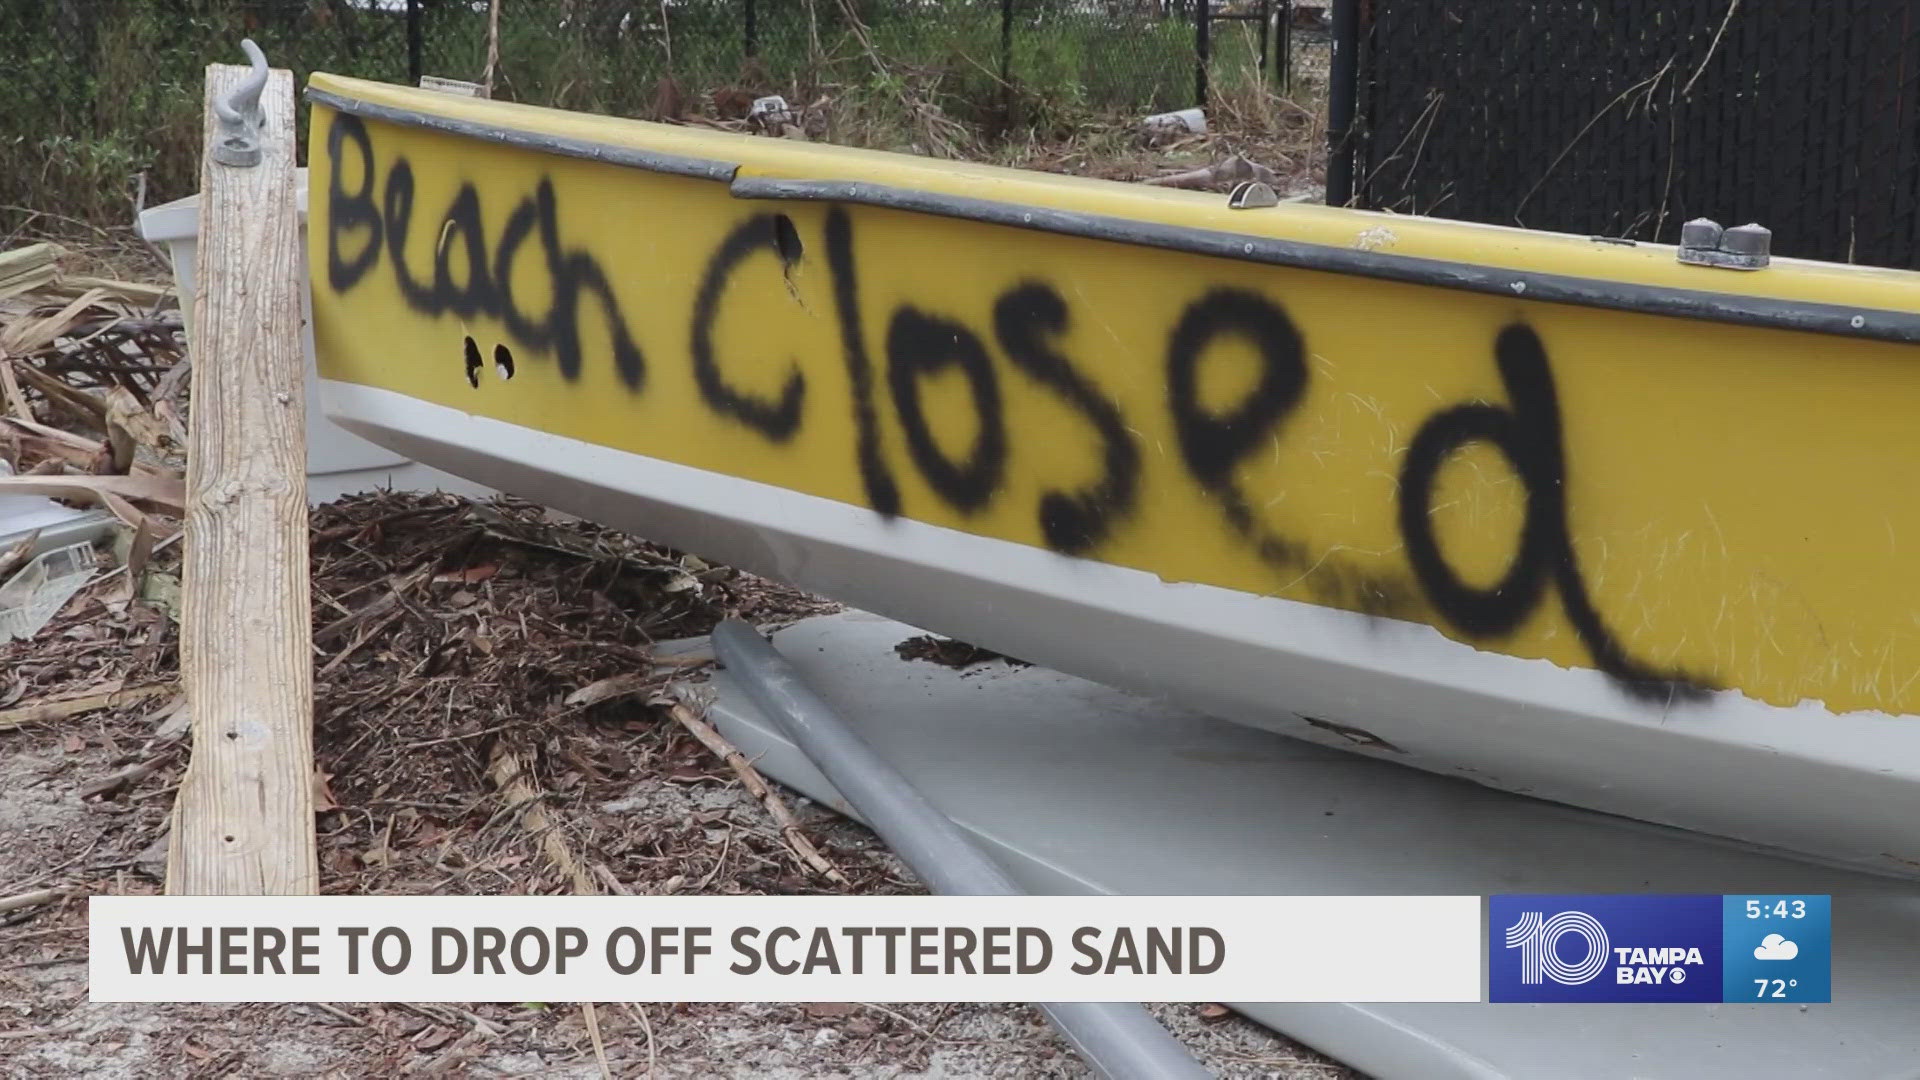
(1538,940)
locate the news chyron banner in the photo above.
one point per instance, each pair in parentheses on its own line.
(785,948)
(1544,949)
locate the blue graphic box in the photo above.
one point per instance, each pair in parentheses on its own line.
(1778,948)
(1605,948)
(1623,948)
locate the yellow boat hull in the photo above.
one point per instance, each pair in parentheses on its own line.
(1560,513)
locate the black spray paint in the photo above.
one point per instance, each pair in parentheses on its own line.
(1528,433)
(918,345)
(366,222)
(777,420)
(350,211)
(883,494)
(1214,445)
(1073,522)
(480,289)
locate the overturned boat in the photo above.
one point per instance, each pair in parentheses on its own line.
(1566,516)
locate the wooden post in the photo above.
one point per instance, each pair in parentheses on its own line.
(243,823)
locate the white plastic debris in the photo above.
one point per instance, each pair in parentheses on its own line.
(31,598)
(21,515)
(45,525)
(1182,122)
(770,113)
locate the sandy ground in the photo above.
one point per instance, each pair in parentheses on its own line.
(48,1028)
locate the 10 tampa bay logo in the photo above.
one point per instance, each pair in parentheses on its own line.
(1605,948)
(1538,939)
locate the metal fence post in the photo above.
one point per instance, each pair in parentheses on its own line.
(1342,98)
(1266,33)
(1006,59)
(1283,48)
(416,44)
(1202,46)
(752,28)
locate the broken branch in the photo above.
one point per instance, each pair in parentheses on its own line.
(755,783)
(61,708)
(1231,171)
(509,773)
(30,899)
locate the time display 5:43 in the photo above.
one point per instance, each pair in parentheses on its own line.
(1779,909)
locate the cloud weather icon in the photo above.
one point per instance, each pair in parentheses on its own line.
(1775,947)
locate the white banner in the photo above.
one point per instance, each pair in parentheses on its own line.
(785,948)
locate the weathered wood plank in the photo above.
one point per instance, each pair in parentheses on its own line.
(243,824)
(132,292)
(25,269)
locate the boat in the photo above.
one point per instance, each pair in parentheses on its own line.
(1575,517)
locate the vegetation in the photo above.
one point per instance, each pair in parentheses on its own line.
(106,111)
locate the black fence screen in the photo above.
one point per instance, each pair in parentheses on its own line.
(1625,118)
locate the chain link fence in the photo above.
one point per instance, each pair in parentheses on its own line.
(1626,118)
(104,95)
(104,106)
(1304,51)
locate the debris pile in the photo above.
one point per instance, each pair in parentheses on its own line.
(92,414)
(473,662)
(947,652)
(463,648)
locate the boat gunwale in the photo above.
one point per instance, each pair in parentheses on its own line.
(561,145)
(1839,320)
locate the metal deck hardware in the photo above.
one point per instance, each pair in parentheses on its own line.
(239,114)
(1744,247)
